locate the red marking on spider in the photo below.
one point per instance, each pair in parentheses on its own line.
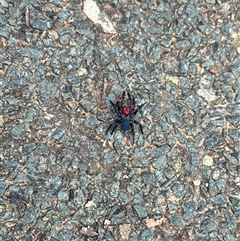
(126,110)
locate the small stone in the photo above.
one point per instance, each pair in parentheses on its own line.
(216,174)
(208,225)
(157,112)
(53,35)
(63,195)
(90,8)
(114,190)
(79,197)
(172,79)
(58,133)
(3,187)
(148,178)
(5,31)
(236,71)
(101,210)
(234,134)
(32,52)
(207,161)
(86,221)
(27,148)
(17,130)
(238,50)
(4,3)
(20,177)
(82,72)
(1,121)
(64,15)
(173,117)
(3,232)
(146,235)
(230,221)
(125,231)
(160,163)
(207,95)
(109,157)
(88,104)
(188,209)
(191,11)
(215,140)
(118,51)
(65,235)
(218,200)
(65,39)
(178,190)
(235,202)
(183,44)
(233,109)
(29,215)
(176,220)
(141,210)
(118,218)
(124,66)
(41,25)
(13,162)
(196,182)
(123,198)
(229,237)
(91,122)
(226,29)
(192,102)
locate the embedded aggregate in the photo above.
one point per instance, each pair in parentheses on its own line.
(59,173)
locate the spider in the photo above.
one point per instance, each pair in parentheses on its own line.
(126,115)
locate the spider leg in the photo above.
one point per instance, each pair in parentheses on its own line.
(116,108)
(133,105)
(122,100)
(132,127)
(118,104)
(129,97)
(136,111)
(140,126)
(114,124)
(131,101)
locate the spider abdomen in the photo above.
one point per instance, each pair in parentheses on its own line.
(125,125)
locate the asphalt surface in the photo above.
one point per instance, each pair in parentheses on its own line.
(62,178)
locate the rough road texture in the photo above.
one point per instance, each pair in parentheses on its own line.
(62,179)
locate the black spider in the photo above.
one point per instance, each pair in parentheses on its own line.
(126,115)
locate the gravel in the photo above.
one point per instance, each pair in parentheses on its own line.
(60,173)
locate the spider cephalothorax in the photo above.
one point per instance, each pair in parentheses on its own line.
(126,114)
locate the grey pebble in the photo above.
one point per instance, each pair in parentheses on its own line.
(146,235)
(3,187)
(178,190)
(64,15)
(41,25)
(141,210)
(182,44)
(29,215)
(124,66)
(32,52)
(5,31)
(118,218)
(160,163)
(176,220)
(27,148)
(124,198)
(208,225)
